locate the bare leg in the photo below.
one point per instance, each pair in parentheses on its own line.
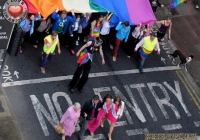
(63,137)
(112,125)
(102,121)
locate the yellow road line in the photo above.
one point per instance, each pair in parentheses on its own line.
(188,89)
(190,86)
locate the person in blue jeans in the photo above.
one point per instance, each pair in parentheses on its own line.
(61,23)
(196,4)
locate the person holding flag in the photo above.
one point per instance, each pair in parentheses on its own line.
(147,45)
(85,55)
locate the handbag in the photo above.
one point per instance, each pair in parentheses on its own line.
(59,129)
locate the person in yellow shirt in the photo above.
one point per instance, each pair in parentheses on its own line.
(50,43)
(147,45)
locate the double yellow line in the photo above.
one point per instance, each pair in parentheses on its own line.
(189,88)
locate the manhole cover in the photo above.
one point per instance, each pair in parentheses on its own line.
(1,107)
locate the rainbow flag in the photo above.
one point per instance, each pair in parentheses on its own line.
(134,11)
(175,3)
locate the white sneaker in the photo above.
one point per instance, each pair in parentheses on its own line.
(197,6)
(78,38)
(77,43)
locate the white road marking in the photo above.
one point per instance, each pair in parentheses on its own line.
(139,89)
(16,74)
(96,137)
(163,101)
(197,123)
(100,74)
(172,126)
(137,132)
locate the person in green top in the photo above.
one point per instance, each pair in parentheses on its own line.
(60,26)
(61,22)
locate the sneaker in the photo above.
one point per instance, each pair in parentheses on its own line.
(43,70)
(77,43)
(128,56)
(72,52)
(20,50)
(78,38)
(162,39)
(114,58)
(35,46)
(111,46)
(141,71)
(197,6)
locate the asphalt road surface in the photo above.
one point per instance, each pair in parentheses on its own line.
(161,100)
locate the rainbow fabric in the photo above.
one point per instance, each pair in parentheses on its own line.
(96,33)
(144,53)
(175,3)
(84,57)
(124,10)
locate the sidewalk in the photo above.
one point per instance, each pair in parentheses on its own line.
(8,128)
(185,33)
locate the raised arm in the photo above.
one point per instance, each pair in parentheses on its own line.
(119,26)
(83,47)
(139,45)
(55,14)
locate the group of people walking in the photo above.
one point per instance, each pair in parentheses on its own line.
(93,115)
(61,29)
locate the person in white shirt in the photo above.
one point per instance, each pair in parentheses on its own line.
(135,37)
(73,32)
(105,30)
(147,45)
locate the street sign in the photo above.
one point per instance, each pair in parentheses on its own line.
(6,28)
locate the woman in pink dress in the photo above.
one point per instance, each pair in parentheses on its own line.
(95,123)
(69,120)
(113,114)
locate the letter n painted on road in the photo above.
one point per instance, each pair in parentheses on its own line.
(139,89)
(135,108)
(39,109)
(57,105)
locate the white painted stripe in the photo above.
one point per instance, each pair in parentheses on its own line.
(96,137)
(197,123)
(198,137)
(137,132)
(172,126)
(100,74)
(120,123)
